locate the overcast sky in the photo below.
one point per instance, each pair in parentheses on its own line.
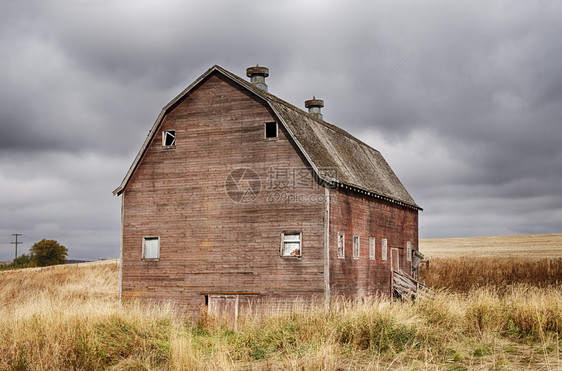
(463,99)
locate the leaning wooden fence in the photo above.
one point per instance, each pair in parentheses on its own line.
(406,287)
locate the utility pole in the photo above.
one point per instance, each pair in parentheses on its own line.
(16,243)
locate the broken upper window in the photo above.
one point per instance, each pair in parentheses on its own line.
(341,246)
(169,138)
(291,244)
(355,247)
(151,248)
(372,248)
(271,130)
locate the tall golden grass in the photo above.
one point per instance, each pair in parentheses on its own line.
(466,273)
(69,318)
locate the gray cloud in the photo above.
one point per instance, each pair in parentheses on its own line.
(463,99)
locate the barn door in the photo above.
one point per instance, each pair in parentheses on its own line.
(225,308)
(394,259)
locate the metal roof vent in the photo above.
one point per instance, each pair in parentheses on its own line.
(315,107)
(257,76)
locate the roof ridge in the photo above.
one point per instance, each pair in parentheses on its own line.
(332,126)
(300,110)
(267,94)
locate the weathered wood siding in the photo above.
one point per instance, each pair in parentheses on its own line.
(355,214)
(209,243)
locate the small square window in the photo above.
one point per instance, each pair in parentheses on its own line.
(341,246)
(355,247)
(169,138)
(291,244)
(151,248)
(372,248)
(271,130)
(384,249)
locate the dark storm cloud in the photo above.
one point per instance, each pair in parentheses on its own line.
(463,99)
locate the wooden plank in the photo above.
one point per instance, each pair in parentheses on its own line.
(407,286)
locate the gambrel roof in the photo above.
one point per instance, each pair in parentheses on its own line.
(350,163)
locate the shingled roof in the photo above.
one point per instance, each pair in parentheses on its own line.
(351,163)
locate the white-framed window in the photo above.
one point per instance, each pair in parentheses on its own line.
(341,245)
(169,138)
(372,248)
(291,244)
(409,251)
(355,247)
(271,129)
(384,249)
(151,247)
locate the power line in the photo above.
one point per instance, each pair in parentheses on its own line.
(31,238)
(16,243)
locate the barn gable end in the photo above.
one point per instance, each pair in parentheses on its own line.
(324,145)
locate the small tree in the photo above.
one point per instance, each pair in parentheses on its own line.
(48,252)
(22,261)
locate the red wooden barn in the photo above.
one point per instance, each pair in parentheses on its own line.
(237,195)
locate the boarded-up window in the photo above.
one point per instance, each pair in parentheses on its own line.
(355,247)
(291,244)
(372,248)
(151,248)
(409,251)
(384,251)
(394,259)
(169,138)
(341,245)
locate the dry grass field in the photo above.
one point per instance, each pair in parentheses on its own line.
(461,264)
(467,273)
(69,318)
(527,246)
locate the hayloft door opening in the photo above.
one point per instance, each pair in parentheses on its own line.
(395,259)
(225,308)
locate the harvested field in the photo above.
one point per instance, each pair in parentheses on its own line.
(531,246)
